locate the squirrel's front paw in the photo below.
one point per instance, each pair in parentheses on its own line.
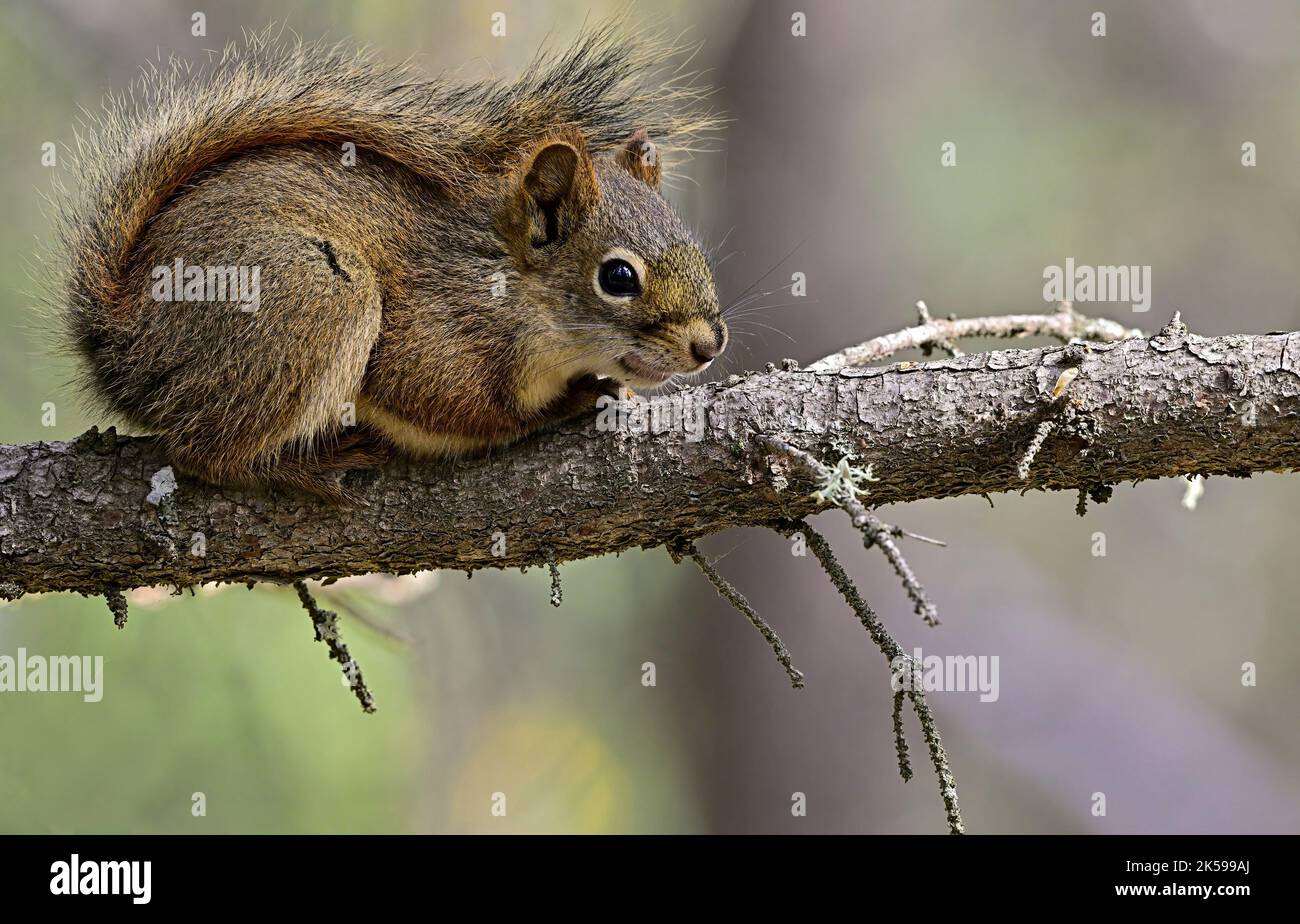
(583,393)
(599,386)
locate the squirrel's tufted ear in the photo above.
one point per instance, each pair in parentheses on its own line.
(639,157)
(554,190)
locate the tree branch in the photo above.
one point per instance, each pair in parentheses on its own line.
(1064,324)
(98,513)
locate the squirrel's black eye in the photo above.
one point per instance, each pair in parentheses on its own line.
(617,277)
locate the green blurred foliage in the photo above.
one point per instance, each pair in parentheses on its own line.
(225,694)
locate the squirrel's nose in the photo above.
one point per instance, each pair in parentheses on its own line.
(704,351)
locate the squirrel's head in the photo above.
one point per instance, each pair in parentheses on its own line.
(600,250)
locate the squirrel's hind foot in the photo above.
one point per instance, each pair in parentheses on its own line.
(319,471)
(316,470)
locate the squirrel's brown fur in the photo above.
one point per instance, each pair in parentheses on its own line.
(444,282)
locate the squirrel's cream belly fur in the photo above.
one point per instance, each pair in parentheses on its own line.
(412,440)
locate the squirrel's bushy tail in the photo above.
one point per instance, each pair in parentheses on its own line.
(179,120)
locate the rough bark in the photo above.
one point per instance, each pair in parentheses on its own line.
(77,515)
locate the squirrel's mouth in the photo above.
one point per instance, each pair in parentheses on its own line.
(645,373)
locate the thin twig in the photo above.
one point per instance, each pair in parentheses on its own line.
(326,623)
(874,531)
(898,532)
(1065,324)
(733,596)
(923,317)
(893,653)
(900,737)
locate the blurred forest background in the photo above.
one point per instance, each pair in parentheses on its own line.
(1118,674)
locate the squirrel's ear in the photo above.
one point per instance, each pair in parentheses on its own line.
(639,157)
(555,190)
